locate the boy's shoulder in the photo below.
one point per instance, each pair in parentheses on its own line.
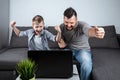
(30,30)
(45,31)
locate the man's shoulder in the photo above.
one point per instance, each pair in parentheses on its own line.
(62,26)
(82,23)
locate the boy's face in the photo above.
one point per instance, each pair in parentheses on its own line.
(38,27)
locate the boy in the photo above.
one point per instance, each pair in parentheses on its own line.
(37,37)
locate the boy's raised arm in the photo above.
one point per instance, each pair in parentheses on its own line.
(16,30)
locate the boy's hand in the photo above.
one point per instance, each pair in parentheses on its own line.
(13,24)
(57,28)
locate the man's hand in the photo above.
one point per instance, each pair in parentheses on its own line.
(13,24)
(99,32)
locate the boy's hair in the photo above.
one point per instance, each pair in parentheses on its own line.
(38,19)
(69,12)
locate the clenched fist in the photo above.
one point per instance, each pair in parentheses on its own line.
(99,32)
(13,24)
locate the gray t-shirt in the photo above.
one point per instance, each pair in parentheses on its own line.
(78,37)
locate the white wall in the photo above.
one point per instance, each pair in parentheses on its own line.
(4,23)
(95,12)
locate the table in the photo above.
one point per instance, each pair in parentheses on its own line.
(74,77)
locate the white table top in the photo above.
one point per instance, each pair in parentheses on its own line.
(74,77)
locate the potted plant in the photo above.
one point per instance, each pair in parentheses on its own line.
(26,69)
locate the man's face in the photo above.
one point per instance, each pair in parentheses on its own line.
(38,27)
(70,22)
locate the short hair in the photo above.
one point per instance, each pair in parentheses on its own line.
(38,19)
(69,12)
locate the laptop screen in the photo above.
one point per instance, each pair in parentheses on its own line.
(53,63)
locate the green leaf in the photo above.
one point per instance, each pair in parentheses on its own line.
(26,68)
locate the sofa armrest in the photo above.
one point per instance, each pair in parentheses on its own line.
(2,50)
(118,37)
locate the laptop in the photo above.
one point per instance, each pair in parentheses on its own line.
(53,63)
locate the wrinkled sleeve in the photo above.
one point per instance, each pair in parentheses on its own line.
(23,33)
(50,36)
(86,27)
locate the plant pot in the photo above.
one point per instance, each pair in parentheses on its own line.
(18,78)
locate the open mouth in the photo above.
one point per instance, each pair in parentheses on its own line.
(69,28)
(37,32)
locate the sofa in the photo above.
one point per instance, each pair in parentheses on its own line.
(105,54)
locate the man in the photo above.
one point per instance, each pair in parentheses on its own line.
(75,35)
